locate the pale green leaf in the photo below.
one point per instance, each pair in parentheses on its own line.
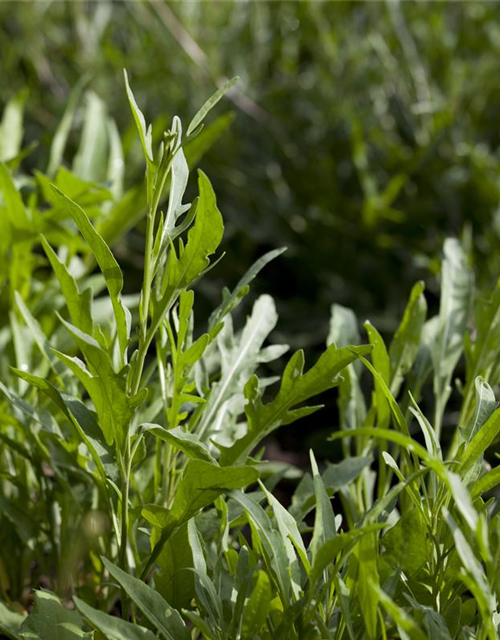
(208,105)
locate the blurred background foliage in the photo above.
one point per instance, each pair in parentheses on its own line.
(360,134)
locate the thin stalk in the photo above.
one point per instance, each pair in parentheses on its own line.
(126,468)
(124,505)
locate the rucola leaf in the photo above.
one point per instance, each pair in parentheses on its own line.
(111,627)
(457,289)
(160,614)
(231,299)
(144,132)
(405,344)
(186,264)
(50,619)
(11,127)
(296,388)
(208,105)
(343,332)
(10,622)
(79,303)
(108,265)
(381,363)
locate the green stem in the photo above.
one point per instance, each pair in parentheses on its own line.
(125,494)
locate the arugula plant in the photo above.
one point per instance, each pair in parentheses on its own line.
(132,484)
(134,424)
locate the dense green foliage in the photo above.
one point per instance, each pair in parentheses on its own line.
(365,130)
(133,487)
(137,401)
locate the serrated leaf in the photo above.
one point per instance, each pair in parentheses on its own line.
(188,263)
(240,358)
(296,387)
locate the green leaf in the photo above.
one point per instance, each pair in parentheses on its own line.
(231,299)
(474,576)
(406,544)
(405,344)
(144,133)
(175,582)
(156,609)
(340,474)
(11,127)
(61,135)
(10,622)
(111,627)
(19,216)
(343,327)
(367,579)
(78,415)
(486,483)
(324,521)
(183,269)
(270,543)
(330,550)
(203,482)
(485,405)
(351,402)
(457,288)
(208,105)
(239,359)
(179,173)
(79,303)
(403,621)
(296,388)
(38,335)
(480,442)
(107,263)
(384,389)
(90,160)
(482,352)
(463,500)
(290,534)
(106,388)
(381,363)
(257,607)
(49,619)
(182,440)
